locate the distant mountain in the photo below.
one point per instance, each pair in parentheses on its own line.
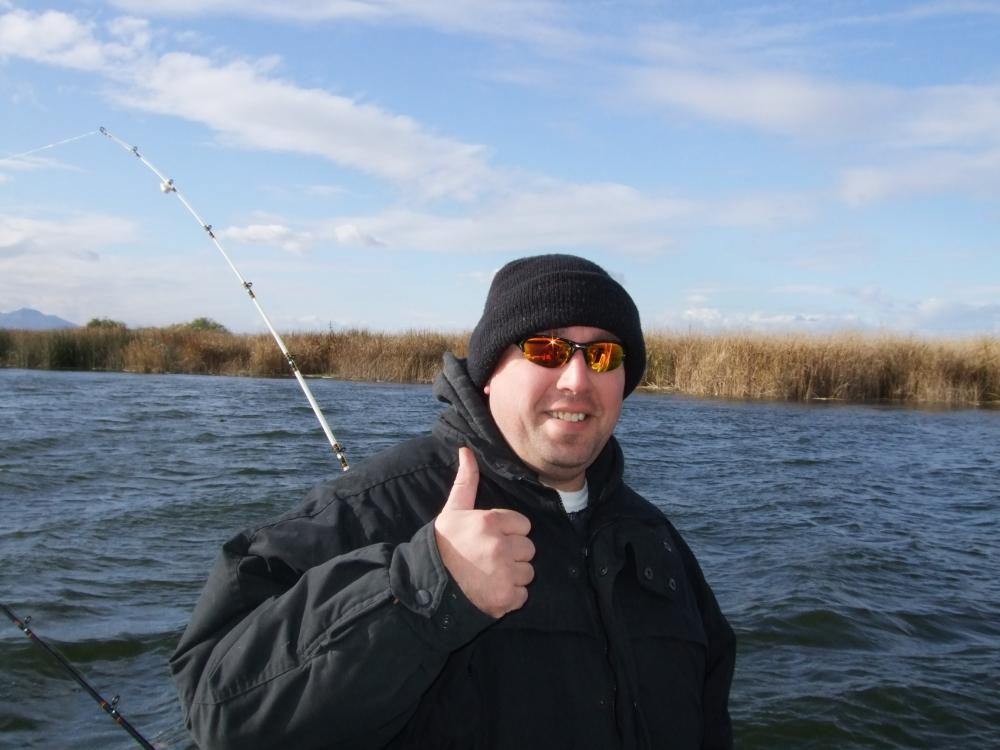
(29,319)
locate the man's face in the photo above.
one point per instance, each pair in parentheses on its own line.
(539,410)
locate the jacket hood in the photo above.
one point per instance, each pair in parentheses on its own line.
(468,421)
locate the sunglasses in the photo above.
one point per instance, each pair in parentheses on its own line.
(555,351)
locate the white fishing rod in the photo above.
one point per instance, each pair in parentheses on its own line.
(167,186)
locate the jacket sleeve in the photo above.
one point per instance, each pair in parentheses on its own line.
(720,662)
(335,657)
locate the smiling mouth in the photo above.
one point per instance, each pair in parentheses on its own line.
(569,416)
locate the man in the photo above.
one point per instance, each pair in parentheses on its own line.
(494,584)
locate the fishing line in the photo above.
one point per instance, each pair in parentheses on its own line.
(15,157)
(111,709)
(167,186)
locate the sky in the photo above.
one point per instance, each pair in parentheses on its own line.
(774,167)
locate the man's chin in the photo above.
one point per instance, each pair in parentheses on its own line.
(566,466)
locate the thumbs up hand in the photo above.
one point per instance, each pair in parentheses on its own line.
(487,552)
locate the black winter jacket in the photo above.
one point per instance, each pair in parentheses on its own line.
(337,625)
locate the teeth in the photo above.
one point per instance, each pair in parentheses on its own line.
(569,416)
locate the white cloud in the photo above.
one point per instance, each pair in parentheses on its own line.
(940,316)
(755,73)
(716,74)
(873,294)
(245,104)
(702,315)
(812,108)
(79,267)
(28,160)
(241,102)
(298,240)
(133,37)
(56,38)
(51,264)
(540,216)
(931,316)
(541,21)
(349,234)
(811,290)
(976,173)
(77,237)
(269,234)
(714,319)
(777,102)
(962,114)
(927,316)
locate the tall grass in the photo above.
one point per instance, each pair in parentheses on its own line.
(65,349)
(358,354)
(851,367)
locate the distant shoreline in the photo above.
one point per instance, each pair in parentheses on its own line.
(845,367)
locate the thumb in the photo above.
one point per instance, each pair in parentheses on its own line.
(463,490)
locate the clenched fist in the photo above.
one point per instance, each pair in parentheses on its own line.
(487,552)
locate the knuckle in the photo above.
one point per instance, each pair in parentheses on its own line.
(490,518)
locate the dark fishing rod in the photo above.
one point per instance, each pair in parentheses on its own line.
(111,709)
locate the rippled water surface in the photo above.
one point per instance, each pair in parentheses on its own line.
(855,549)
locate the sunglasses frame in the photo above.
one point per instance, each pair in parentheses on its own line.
(574,347)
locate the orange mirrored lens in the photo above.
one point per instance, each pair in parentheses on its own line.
(553,351)
(604,355)
(547,352)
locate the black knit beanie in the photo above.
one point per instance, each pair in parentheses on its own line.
(543,292)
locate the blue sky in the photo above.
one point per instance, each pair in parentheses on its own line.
(738,166)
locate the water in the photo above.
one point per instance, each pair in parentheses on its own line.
(854,548)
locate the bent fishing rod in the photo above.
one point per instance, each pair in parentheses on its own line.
(167,186)
(111,709)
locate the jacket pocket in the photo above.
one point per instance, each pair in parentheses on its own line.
(654,591)
(668,643)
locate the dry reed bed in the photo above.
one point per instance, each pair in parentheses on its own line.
(852,367)
(357,354)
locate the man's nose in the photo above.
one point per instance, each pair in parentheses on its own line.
(574,376)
